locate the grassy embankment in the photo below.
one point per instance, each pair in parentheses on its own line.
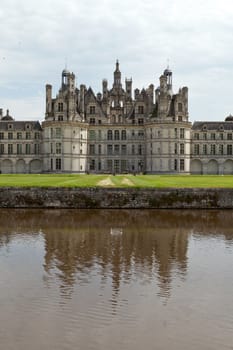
(158,181)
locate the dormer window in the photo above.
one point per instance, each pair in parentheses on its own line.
(92,109)
(180,107)
(204,128)
(60,107)
(140,109)
(28,126)
(10,126)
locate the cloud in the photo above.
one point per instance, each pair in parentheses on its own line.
(196,37)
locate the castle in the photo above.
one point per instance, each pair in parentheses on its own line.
(116,131)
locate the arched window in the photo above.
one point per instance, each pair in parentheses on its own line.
(116,135)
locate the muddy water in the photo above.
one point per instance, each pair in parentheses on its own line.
(114,279)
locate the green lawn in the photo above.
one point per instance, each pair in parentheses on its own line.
(66,180)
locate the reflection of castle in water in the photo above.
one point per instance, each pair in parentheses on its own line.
(146,245)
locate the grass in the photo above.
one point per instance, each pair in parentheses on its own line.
(152,181)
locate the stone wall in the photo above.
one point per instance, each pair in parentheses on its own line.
(84,198)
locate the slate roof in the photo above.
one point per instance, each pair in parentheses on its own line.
(20,125)
(215,126)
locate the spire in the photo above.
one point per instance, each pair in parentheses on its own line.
(117,76)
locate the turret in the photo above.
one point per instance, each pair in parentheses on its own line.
(48,99)
(128,88)
(117,76)
(105,88)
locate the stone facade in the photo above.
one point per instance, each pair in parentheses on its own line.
(117,130)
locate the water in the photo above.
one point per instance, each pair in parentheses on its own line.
(116,279)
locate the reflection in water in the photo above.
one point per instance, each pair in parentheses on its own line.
(116,252)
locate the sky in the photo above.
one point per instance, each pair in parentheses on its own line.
(38,39)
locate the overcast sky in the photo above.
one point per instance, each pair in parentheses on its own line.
(37,38)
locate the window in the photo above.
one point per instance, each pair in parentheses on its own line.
(92,164)
(51,148)
(58,133)
(140,133)
(196,136)
(109,165)
(175,148)
(133,133)
(100,149)
(133,149)
(28,148)
(51,164)
(58,148)
(180,118)
(116,135)
(140,109)
(229,150)
(109,149)
(116,149)
(1,135)
(10,149)
(92,135)
(196,149)
(99,134)
(213,149)
(175,164)
(92,149)
(60,118)
(140,121)
(123,149)
(36,148)
(123,134)
(221,136)
(180,107)
(212,136)
(182,148)
(175,133)
(182,164)
(221,150)
(182,133)
(19,148)
(58,163)
(92,120)
(10,135)
(28,135)
(229,136)
(204,136)
(37,135)
(60,107)
(1,148)
(19,135)
(139,149)
(92,109)
(109,135)
(204,149)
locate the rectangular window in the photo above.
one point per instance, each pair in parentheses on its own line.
(1,135)
(19,136)
(229,136)
(204,150)
(175,164)
(140,133)
(213,149)
(133,149)
(92,120)
(182,164)
(58,163)
(175,133)
(221,150)
(36,148)
(123,149)
(10,135)
(92,149)
(123,165)
(100,149)
(51,147)
(140,121)
(58,148)
(221,136)
(37,135)
(123,134)
(28,135)
(229,150)
(140,109)
(60,107)
(182,148)
(140,149)
(196,136)
(92,109)
(212,136)
(28,148)
(92,164)
(204,136)
(1,149)
(109,165)
(182,133)
(92,135)
(116,149)
(196,149)
(175,148)
(10,149)
(58,133)
(109,149)
(117,135)
(19,148)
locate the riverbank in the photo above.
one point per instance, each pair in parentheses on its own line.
(115,198)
